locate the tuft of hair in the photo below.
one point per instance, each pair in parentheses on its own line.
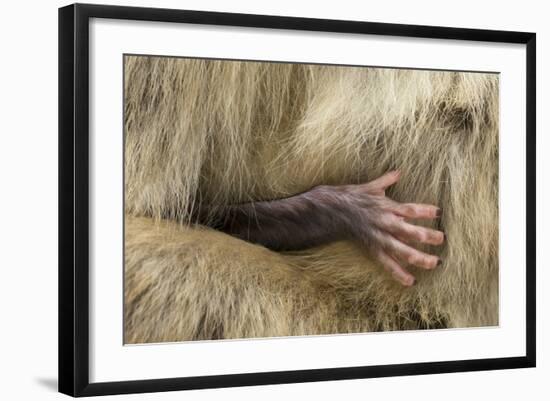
(214,132)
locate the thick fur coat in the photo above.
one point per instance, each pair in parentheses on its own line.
(207,132)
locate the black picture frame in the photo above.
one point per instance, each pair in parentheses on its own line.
(74,201)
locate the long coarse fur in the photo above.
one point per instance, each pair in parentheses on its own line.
(221,132)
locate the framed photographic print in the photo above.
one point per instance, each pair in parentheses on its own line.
(251,199)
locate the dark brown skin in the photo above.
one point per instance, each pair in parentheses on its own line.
(330,213)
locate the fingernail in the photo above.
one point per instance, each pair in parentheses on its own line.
(439,212)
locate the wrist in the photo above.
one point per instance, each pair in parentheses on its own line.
(334,205)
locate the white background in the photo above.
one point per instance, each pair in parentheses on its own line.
(28,168)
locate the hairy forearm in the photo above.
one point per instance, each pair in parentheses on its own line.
(297,222)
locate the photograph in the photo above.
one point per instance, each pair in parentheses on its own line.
(271,199)
(212,200)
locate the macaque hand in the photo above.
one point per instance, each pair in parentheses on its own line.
(365,213)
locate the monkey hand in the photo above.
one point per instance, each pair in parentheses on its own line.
(365,213)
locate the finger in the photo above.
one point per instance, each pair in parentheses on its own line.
(403,240)
(398,272)
(410,232)
(384,181)
(410,254)
(416,211)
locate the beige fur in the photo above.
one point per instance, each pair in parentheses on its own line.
(221,132)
